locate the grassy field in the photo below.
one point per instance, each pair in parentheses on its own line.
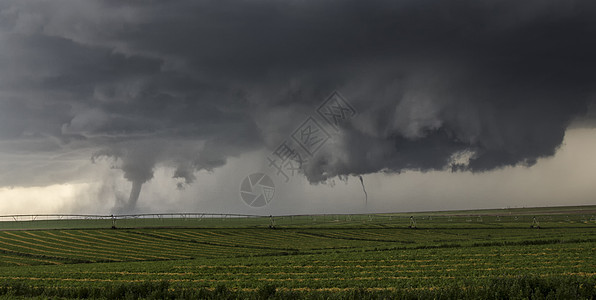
(480,254)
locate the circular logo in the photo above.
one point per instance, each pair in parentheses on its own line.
(257,189)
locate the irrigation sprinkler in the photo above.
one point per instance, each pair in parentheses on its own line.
(272,224)
(535,223)
(113,221)
(412,223)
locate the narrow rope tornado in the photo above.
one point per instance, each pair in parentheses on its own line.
(364,189)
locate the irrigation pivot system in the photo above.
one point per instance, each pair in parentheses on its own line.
(499,218)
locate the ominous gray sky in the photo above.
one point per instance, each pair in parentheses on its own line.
(168,97)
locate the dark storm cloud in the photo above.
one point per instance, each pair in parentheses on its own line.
(191,83)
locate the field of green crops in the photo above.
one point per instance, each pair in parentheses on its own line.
(353,257)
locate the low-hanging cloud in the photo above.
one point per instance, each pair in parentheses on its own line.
(189,84)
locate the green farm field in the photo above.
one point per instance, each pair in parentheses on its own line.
(488,254)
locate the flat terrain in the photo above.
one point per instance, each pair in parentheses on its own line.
(453,255)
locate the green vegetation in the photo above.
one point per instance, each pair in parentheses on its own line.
(321,257)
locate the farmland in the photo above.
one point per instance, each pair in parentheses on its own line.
(487,254)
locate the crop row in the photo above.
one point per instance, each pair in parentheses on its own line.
(195,263)
(72,246)
(398,268)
